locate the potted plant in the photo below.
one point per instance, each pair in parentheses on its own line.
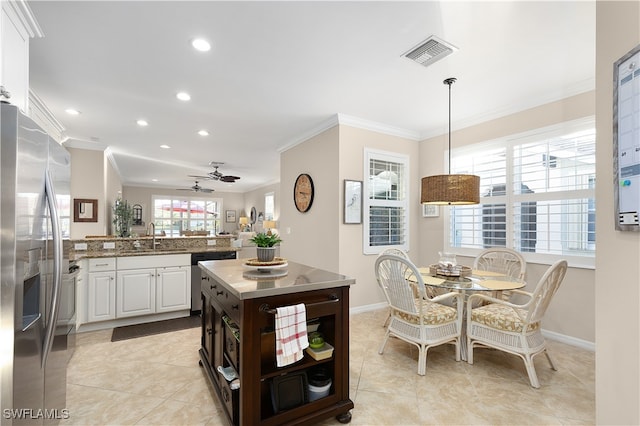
(265,246)
(122,218)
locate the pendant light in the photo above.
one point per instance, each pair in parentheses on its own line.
(450,189)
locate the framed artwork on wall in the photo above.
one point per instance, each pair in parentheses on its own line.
(85,210)
(352,201)
(430,210)
(230,216)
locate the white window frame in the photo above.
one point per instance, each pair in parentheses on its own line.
(217,223)
(269,206)
(373,154)
(584,261)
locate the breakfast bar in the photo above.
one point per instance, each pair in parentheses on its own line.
(238,343)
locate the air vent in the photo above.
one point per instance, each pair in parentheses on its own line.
(429,51)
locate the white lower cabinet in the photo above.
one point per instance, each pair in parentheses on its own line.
(137,285)
(136,294)
(173,289)
(101,289)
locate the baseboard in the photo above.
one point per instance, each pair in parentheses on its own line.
(569,340)
(551,335)
(102,325)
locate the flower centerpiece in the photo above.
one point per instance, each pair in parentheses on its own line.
(265,246)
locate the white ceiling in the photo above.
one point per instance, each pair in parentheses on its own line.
(279,70)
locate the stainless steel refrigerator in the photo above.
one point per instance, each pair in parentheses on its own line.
(34,218)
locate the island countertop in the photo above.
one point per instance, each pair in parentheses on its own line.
(237,279)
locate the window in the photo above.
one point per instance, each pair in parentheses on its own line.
(176,215)
(537,195)
(386,218)
(269,206)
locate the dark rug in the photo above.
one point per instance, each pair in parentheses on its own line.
(157,327)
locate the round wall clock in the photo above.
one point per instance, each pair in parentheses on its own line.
(303,192)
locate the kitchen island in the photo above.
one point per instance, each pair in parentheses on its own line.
(238,337)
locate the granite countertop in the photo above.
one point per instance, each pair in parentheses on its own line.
(147,252)
(240,280)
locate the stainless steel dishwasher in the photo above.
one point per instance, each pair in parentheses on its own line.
(196,276)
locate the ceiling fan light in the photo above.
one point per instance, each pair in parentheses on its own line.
(450,190)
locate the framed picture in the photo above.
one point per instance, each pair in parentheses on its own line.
(430,210)
(230,216)
(352,201)
(85,210)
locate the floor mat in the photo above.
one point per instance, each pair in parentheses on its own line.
(157,327)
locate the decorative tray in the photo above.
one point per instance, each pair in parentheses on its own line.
(275,262)
(455,271)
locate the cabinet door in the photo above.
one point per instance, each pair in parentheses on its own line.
(136,291)
(173,289)
(102,296)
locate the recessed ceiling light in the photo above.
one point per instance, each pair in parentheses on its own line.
(183,96)
(72,111)
(142,123)
(201,44)
(203,133)
(165,146)
(154,180)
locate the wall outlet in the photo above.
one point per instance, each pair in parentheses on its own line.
(211,242)
(80,246)
(109,245)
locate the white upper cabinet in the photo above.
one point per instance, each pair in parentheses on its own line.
(17,27)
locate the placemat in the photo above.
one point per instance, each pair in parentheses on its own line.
(480,273)
(429,280)
(500,285)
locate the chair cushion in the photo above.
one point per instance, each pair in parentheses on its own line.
(433,313)
(501,317)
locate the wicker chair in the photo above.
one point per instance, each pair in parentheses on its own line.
(515,328)
(504,261)
(421,321)
(396,252)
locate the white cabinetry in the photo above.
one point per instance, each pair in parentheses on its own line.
(173,287)
(101,291)
(153,284)
(17,26)
(136,292)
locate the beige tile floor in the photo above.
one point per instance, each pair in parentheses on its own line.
(156,380)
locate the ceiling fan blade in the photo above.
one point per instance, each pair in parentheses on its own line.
(200,177)
(205,190)
(229,179)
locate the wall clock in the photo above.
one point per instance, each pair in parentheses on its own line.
(303,192)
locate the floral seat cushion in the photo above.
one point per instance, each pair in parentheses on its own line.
(433,313)
(501,317)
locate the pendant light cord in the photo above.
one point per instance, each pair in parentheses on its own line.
(450,81)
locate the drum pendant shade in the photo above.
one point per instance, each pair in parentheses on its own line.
(450,189)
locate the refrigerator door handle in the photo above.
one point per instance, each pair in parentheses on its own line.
(57,267)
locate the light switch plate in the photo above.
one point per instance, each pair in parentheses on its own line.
(109,245)
(211,242)
(80,246)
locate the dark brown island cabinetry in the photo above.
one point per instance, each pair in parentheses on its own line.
(238,337)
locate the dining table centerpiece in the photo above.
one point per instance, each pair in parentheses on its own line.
(265,246)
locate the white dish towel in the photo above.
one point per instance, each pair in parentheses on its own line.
(291,334)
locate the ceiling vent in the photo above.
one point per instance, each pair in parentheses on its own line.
(429,51)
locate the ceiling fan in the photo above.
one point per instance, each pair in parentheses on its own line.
(216,175)
(196,188)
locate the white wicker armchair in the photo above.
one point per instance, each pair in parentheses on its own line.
(504,261)
(421,321)
(512,327)
(395,252)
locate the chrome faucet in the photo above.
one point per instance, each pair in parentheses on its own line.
(152,226)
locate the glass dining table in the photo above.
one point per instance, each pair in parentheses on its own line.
(475,281)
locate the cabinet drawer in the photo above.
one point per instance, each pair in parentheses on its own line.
(231,341)
(230,304)
(102,264)
(230,399)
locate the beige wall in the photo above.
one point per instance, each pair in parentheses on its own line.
(617,264)
(352,261)
(255,199)
(312,238)
(88,181)
(572,312)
